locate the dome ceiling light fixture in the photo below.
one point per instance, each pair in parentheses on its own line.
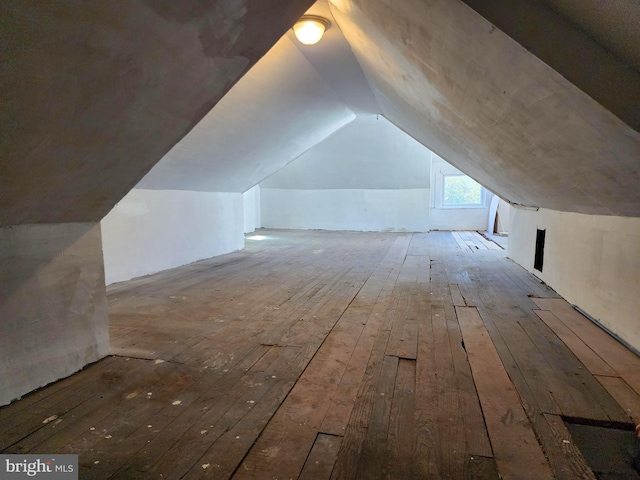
(310,29)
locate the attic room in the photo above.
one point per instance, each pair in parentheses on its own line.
(228,254)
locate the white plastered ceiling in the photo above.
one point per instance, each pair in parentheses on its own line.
(93,94)
(442,74)
(277,111)
(292,99)
(369,153)
(484,103)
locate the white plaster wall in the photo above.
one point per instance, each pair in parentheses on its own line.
(346,209)
(153,230)
(504,216)
(251,203)
(593,261)
(53,312)
(459,219)
(370,152)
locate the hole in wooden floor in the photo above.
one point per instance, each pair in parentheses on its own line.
(611,449)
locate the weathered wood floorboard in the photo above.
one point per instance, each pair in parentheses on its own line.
(342,355)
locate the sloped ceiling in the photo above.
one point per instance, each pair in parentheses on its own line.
(614,25)
(94,93)
(292,99)
(591,43)
(369,153)
(334,60)
(277,111)
(477,98)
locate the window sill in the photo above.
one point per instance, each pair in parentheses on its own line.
(460,207)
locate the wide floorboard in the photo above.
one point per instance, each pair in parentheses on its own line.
(336,355)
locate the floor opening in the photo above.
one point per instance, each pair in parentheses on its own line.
(611,449)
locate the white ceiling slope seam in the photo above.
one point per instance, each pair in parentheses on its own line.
(277,111)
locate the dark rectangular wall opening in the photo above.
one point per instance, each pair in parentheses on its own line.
(539,257)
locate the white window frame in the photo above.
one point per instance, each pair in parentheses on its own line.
(446,170)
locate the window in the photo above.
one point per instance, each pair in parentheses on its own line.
(461,191)
(452,189)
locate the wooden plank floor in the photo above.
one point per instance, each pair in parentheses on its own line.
(336,355)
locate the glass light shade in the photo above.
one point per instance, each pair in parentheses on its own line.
(309,30)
